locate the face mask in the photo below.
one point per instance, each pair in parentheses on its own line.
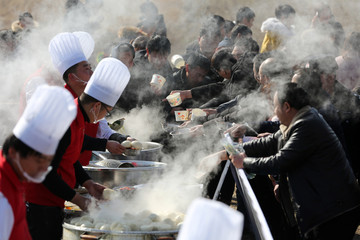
(79,80)
(40,177)
(95,116)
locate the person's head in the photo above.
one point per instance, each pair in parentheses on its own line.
(352,44)
(275,69)
(240,31)
(197,67)
(220,24)
(323,12)
(223,61)
(245,45)
(26,20)
(78,75)
(158,49)
(288,100)
(245,16)
(69,59)
(7,41)
(228,26)
(209,39)
(104,89)
(140,43)
(286,14)
(258,60)
(128,34)
(35,138)
(125,53)
(326,68)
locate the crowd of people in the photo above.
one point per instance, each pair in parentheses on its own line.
(297,93)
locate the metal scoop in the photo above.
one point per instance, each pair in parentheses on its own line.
(111,163)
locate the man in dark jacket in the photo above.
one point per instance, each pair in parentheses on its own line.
(317,185)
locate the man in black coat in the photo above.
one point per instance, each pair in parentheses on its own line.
(317,185)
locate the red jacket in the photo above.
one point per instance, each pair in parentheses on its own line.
(38,193)
(90,130)
(13,190)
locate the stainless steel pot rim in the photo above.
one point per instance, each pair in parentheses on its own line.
(144,166)
(78,228)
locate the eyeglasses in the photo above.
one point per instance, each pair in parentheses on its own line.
(108,114)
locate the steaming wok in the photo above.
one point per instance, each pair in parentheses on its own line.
(127,176)
(71,231)
(151,152)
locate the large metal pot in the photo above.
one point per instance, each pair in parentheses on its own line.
(151,152)
(114,177)
(72,232)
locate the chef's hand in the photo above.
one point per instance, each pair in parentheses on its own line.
(238,160)
(115,147)
(81,201)
(95,189)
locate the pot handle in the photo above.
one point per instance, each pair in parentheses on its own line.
(92,236)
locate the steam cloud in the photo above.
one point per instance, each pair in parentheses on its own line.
(102,20)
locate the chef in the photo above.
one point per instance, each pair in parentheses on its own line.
(76,73)
(27,153)
(46,201)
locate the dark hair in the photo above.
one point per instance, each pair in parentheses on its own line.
(248,44)
(7,35)
(198,60)
(223,59)
(324,65)
(241,29)
(19,146)
(219,20)
(260,58)
(71,69)
(87,99)
(122,48)
(229,25)
(294,95)
(244,12)
(284,11)
(140,42)
(159,44)
(22,17)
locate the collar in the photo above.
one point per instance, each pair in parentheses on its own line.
(86,117)
(10,173)
(286,129)
(70,90)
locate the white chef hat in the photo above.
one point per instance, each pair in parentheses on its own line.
(87,43)
(66,51)
(108,81)
(211,220)
(46,118)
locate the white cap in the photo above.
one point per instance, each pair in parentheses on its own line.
(87,43)
(108,81)
(211,220)
(46,118)
(66,51)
